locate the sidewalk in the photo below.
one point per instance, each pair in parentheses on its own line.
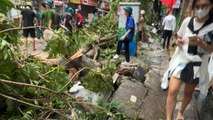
(39,53)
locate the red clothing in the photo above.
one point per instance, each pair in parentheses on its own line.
(169,3)
(79,18)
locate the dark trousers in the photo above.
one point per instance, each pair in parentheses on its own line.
(167,34)
(139,35)
(126,47)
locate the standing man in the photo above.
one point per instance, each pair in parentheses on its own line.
(79,19)
(141,24)
(58,18)
(169,24)
(48,18)
(128,36)
(68,20)
(28,18)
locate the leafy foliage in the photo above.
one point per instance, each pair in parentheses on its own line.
(33,90)
(5,6)
(107,110)
(100,79)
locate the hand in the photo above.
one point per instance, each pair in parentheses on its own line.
(79,23)
(122,38)
(179,41)
(195,42)
(20,26)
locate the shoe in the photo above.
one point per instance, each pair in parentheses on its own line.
(180,116)
(125,63)
(116,56)
(166,49)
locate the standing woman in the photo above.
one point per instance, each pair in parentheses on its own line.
(195,43)
(128,36)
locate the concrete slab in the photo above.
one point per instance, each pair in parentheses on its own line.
(130,95)
(153,81)
(153,106)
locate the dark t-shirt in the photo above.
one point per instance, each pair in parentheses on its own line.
(28,17)
(68,19)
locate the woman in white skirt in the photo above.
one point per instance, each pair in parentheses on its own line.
(195,43)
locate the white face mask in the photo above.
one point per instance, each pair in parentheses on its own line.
(202,12)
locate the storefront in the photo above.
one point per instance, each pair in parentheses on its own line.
(86,7)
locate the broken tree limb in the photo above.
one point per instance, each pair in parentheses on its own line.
(80,52)
(106,39)
(96,53)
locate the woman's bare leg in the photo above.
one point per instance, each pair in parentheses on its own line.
(188,92)
(174,86)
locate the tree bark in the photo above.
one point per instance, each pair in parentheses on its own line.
(186,10)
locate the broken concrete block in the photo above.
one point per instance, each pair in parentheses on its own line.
(139,74)
(153,106)
(153,81)
(130,94)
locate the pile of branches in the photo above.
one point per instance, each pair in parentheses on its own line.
(34,90)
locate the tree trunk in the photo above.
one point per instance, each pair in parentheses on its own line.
(186,10)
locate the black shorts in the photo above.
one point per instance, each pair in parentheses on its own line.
(28,31)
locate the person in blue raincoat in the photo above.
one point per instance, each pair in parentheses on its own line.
(128,36)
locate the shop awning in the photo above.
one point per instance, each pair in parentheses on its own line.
(86,2)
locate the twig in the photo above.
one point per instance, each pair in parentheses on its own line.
(37,106)
(96,53)
(29,85)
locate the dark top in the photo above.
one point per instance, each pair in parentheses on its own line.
(28,17)
(130,24)
(68,19)
(58,20)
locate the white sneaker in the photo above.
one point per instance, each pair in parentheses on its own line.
(116,56)
(125,63)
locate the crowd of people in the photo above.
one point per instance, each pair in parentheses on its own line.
(39,24)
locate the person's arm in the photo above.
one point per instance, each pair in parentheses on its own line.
(163,23)
(20,21)
(35,20)
(50,16)
(179,41)
(204,45)
(64,21)
(49,24)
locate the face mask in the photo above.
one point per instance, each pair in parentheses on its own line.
(202,12)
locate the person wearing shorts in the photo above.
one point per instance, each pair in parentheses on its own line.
(27,19)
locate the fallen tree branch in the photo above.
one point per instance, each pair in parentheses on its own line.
(30,104)
(29,85)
